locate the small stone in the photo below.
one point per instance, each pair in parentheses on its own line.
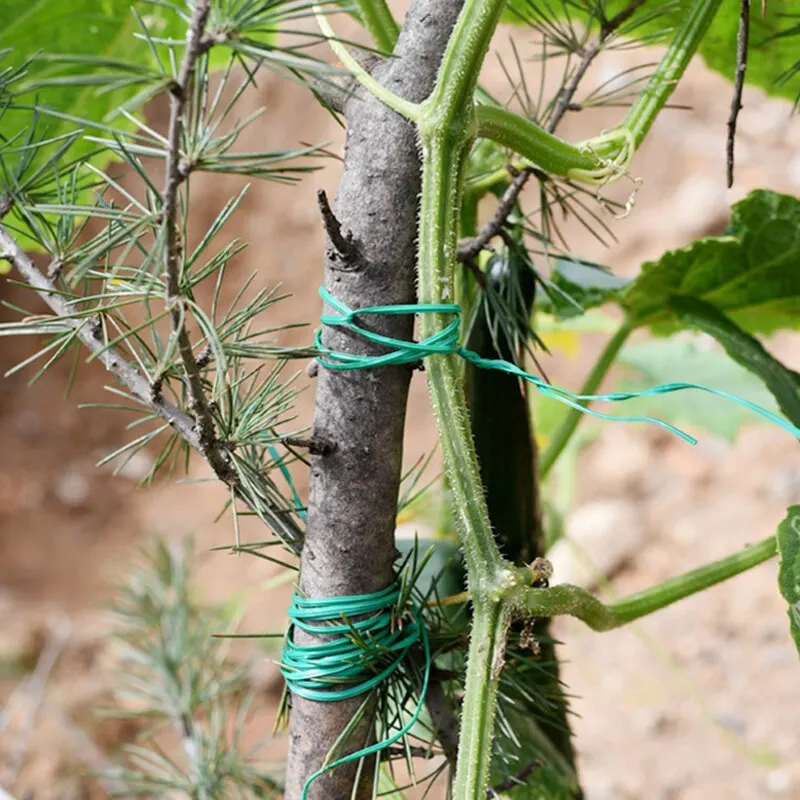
(778,781)
(731,721)
(72,488)
(599,537)
(137,468)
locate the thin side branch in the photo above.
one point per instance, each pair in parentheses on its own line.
(342,242)
(469,248)
(89,335)
(514,781)
(175,176)
(742,42)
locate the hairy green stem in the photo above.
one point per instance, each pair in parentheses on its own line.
(574,601)
(684,44)
(573,416)
(581,161)
(378,20)
(447,127)
(534,143)
(454,94)
(487,645)
(443,165)
(447,123)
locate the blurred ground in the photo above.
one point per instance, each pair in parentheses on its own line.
(699,701)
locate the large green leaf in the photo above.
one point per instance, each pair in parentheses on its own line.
(789,571)
(691,359)
(90,59)
(745,350)
(752,273)
(102,30)
(772,56)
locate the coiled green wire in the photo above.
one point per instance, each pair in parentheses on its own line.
(445,342)
(360,655)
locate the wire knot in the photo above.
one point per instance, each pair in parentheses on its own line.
(445,342)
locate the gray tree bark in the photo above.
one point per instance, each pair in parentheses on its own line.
(360,415)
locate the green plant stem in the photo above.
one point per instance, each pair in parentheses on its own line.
(447,127)
(378,20)
(558,157)
(574,601)
(684,44)
(487,644)
(447,123)
(454,94)
(573,416)
(534,143)
(443,165)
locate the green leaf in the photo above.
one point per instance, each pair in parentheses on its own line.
(773,57)
(691,359)
(789,571)
(752,273)
(101,33)
(745,350)
(574,287)
(773,62)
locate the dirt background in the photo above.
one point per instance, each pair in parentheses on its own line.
(698,701)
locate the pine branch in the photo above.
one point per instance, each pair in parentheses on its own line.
(88,333)
(742,42)
(175,175)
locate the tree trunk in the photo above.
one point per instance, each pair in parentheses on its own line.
(359,415)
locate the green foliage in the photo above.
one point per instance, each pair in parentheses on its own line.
(745,350)
(172,671)
(682,359)
(83,57)
(574,287)
(773,59)
(750,273)
(789,573)
(206,384)
(91,63)
(97,279)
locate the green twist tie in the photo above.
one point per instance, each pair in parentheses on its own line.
(358,656)
(445,342)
